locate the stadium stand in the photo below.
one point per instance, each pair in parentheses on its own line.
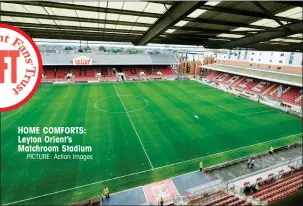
(273,182)
(212,75)
(76,72)
(218,198)
(49,72)
(108,66)
(286,94)
(62,71)
(89,72)
(247,84)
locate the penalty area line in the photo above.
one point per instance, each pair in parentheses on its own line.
(136,173)
(224,107)
(209,101)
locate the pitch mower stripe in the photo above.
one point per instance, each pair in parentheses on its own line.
(134,128)
(128,175)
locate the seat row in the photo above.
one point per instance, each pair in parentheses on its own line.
(283,189)
(276,186)
(282,195)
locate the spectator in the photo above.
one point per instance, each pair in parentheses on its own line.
(252,164)
(247,190)
(248,162)
(257,187)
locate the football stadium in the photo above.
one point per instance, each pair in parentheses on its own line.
(184,103)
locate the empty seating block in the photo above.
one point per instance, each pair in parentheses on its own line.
(280,188)
(49,72)
(212,75)
(90,72)
(290,94)
(247,84)
(61,72)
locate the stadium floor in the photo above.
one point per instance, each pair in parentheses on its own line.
(140,132)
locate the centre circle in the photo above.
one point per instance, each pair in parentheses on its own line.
(120,104)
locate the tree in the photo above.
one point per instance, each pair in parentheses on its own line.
(87,48)
(119,50)
(154,51)
(68,48)
(133,51)
(102,48)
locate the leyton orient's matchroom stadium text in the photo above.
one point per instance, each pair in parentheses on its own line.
(53,143)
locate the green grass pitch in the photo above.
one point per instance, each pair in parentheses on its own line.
(140,132)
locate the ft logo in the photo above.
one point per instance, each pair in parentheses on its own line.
(20,67)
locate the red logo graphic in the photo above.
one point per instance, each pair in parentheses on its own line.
(20,67)
(13,54)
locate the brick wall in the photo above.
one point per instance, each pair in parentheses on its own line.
(297,70)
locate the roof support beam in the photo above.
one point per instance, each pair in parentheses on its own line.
(242,12)
(94,34)
(128,12)
(269,14)
(102,21)
(197,35)
(174,14)
(85,8)
(72,28)
(238,11)
(225,23)
(68,18)
(59,35)
(202,31)
(264,36)
(292,3)
(290,47)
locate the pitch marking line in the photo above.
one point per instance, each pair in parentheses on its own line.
(257,112)
(203,157)
(145,100)
(209,100)
(20,108)
(134,128)
(224,107)
(53,193)
(128,175)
